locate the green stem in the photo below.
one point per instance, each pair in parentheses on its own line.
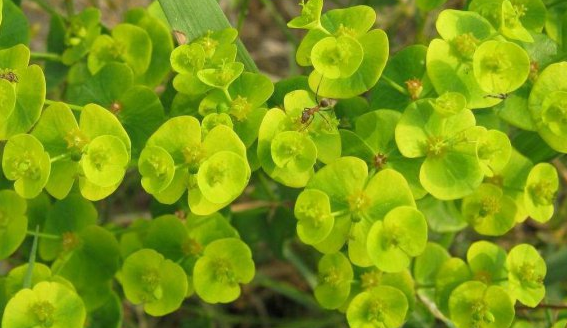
(340,213)
(307,273)
(73,107)
(60,157)
(288,290)
(266,186)
(46,56)
(242,13)
(70,7)
(280,22)
(395,85)
(47,7)
(421,18)
(43,235)
(226,94)
(31,262)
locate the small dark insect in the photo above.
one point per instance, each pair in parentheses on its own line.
(323,105)
(380,160)
(502,96)
(9,76)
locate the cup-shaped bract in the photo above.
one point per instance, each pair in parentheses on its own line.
(82,31)
(428,264)
(310,17)
(335,279)
(223,176)
(382,306)
(128,44)
(449,103)
(489,211)
(314,218)
(348,58)
(360,201)
(293,151)
(95,122)
(487,262)
(222,76)
(449,60)
(188,58)
(337,57)
(28,84)
(548,105)
(451,169)
(500,67)
(393,242)
(377,131)
(105,160)
(225,264)
(526,272)
(27,163)
(13,222)
(540,191)
(48,304)
(157,283)
(494,151)
(157,169)
(474,304)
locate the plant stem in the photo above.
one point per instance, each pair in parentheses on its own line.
(46,56)
(288,290)
(73,107)
(307,273)
(280,22)
(31,263)
(543,306)
(43,235)
(395,85)
(60,157)
(47,7)
(70,7)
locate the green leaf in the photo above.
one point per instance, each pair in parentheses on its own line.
(393,242)
(167,235)
(104,163)
(541,191)
(15,26)
(310,17)
(225,264)
(337,57)
(13,222)
(96,121)
(375,46)
(428,265)
(526,272)
(487,262)
(129,44)
(451,274)
(222,76)
(293,151)
(65,219)
(222,177)
(442,216)
(195,19)
(314,218)
(474,303)
(157,283)
(47,304)
(489,211)
(335,278)
(25,161)
(157,169)
(500,67)
(382,306)
(510,24)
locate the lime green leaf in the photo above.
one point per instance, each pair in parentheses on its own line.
(223,176)
(383,306)
(96,121)
(489,211)
(13,222)
(500,67)
(105,161)
(225,264)
(394,241)
(337,57)
(15,27)
(157,283)
(540,191)
(335,278)
(25,162)
(511,25)
(451,274)
(473,304)
(526,272)
(83,30)
(487,262)
(47,304)
(157,169)
(166,235)
(294,151)
(429,263)
(314,218)
(221,77)
(310,17)
(188,58)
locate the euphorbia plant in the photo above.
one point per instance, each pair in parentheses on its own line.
(395,170)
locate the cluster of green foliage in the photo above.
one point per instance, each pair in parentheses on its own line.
(372,179)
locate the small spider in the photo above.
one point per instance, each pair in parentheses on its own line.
(9,76)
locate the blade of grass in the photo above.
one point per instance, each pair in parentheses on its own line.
(31,262)
(195,18)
